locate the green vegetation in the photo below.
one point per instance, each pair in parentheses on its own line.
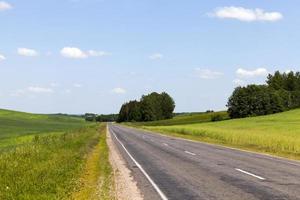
(187,118)
(14,124)
(44,156)
(96,180)
(281,93)
(151,107)
(277,134)
(91,117)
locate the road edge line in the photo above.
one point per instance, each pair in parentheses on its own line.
(250,174)
(161,194)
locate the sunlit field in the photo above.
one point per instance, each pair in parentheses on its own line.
(188,118)
(46,156)
(277,134)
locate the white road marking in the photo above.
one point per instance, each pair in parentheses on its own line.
(193,154)
(165,144)
(161,194)
(250,174)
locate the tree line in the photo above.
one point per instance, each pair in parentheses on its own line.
(151,107)
(280,93)
(91,117)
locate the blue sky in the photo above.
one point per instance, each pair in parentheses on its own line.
(76,56)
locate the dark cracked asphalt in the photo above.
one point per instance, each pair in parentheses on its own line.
(182,170)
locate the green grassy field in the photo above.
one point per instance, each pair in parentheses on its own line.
(190,118)
(14,123)
(277,134)
(44,156)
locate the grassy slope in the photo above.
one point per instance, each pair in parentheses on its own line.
(43,156)
(14,123)
(277,134)
(184,119)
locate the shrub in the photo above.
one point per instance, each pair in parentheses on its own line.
(216,117)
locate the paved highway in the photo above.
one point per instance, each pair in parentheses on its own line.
(170,168)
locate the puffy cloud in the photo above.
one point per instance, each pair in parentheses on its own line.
(248,15)
(67,91)
(77,85)
(77,53)
(243,73)
(207,74)
(31,90)
(118,90)
(5,6)
(2,57)
(27,52)
(37,89)
(156,56)
(73,52)
(94,53)
(239,82)
(54,84)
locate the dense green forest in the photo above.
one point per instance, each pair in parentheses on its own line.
(100,118)
(151,107)
(280,93)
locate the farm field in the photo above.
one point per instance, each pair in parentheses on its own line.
(277,134)
(188,118)
(48,156)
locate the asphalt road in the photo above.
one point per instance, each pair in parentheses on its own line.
(169,168)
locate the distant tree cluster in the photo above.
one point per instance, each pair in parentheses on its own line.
(151,107)
(281,92)
(91,117)
(107,118)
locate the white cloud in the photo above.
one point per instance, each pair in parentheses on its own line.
(156,56)
(94,53)
(68,91)
(77,85)
(17,93)
(27,52)
(207,74)
(248,15)
(54,84)
(31,90)
(118,90)
(73,52)
(5,6)
(239,82)
(243,73)
(2,57)
(77,53)
(37,89)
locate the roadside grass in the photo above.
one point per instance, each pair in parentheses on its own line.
(47,167)
(190,118)
(277,134)
(44,156)
(96,181)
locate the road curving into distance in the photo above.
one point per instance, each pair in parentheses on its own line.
(171,168)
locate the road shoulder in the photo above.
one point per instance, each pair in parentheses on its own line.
(125,187)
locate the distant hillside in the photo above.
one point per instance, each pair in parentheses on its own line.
(20,123)
(186,118)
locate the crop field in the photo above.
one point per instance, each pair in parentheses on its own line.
(46,156)
(277,134)
(190,118)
